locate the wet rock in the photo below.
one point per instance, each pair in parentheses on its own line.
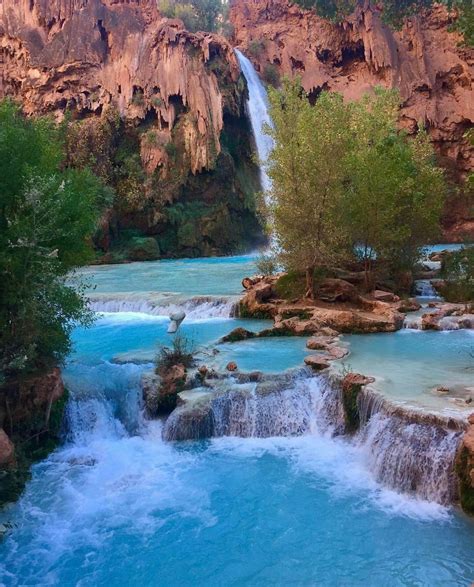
(336,353)
(7,450)
(317,362)
(319,343)
(231,367)
(465,468)
(410,305)
(238,334)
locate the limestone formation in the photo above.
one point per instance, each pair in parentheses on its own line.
(425,61)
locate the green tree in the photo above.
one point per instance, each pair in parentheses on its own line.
(307,171)
(47,215)
(395,192)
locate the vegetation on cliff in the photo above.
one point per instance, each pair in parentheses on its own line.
(197,15)
(395,11)
(47,215)
(347,185)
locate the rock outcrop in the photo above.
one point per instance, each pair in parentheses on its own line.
(465,469)
(31,412)
(180,97)
(424,60)
(361,315)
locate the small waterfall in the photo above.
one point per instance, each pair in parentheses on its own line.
(196,308)
(105,401)
(424,288)
(291,405)
(411,452)
(259,116)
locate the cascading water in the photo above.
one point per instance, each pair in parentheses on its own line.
(196,308)
(406,453)
(259,117)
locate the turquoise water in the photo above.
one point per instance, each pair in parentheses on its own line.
(117,506)
(134,511)
(409,364)
(132,333)
(218,276)
(270,355)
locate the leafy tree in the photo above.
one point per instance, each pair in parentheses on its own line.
(345,179)
(47,215)
(395,192)
(458,272)
(306,167)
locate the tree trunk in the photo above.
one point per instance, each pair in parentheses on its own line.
(310,282)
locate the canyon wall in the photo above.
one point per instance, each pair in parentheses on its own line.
(176,94)
(424,60)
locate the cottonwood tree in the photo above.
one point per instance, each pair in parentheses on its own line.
(395,191)
(307,170)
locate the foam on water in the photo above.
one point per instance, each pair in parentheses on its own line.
(118,506)
(196,308)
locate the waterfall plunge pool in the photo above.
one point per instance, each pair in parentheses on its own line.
(116,505)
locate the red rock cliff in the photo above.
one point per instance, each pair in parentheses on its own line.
(87,54)
(424,60)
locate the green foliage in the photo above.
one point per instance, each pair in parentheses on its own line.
(256,47)
(47,216)
(171,150)
(291,285)
(308,172)
(267,264)
(345,180)
(180,353)
(464,23)
(350,393)
(458,272)
(394,12)
(197,15)
(395,192)
(466,490)
(271,75)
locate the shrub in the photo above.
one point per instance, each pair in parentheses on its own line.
(458,272)
(256,47)
(171,150)
(266,264)
(181,353)
(271,74)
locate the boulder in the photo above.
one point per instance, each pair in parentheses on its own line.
(232,366)
(319,343)
(337,352)
(384,296)
(337,290)
(317,362)
(238,334)
(7,450)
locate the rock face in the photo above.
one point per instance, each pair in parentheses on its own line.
(182,91)
(424,60)
(465,469)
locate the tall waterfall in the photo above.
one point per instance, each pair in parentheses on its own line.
(259,116)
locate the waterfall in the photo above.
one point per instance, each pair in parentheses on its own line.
(259,116)
(411,452)
(105,401)
(196,308)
